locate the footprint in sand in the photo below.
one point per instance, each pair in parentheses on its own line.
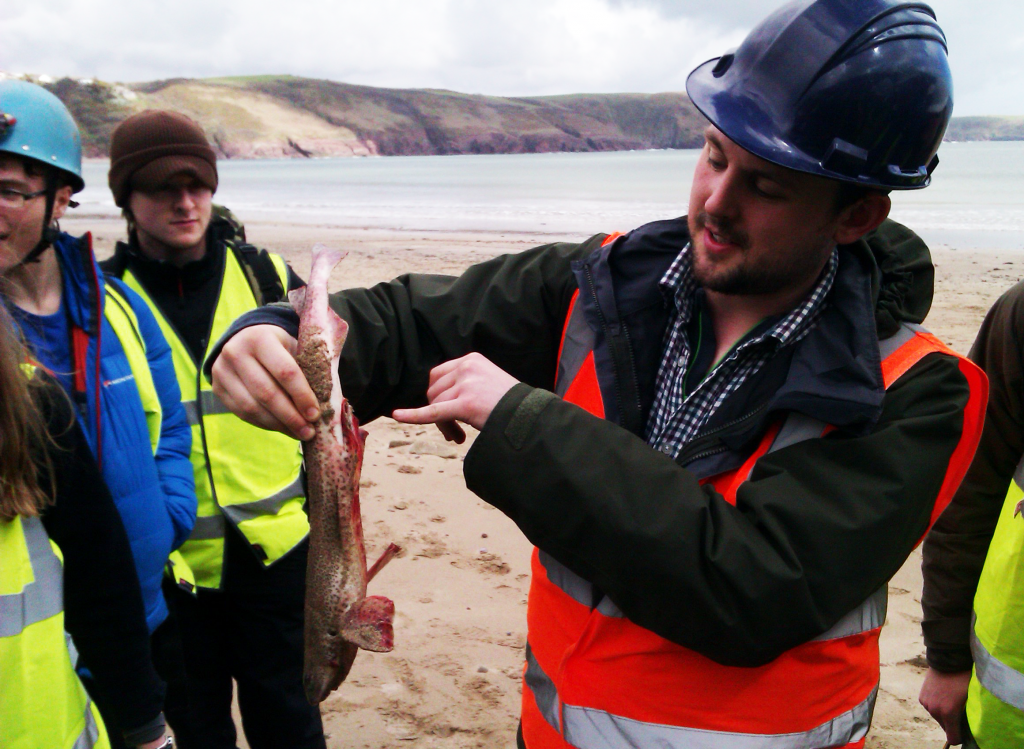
(918,661)
(480,688)
(444,665)
(432,548)
(491,564)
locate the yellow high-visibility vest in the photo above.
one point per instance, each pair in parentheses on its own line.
(995,698)
(42,701)
(119,313)
(244,475)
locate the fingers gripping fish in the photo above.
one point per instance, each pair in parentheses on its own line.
(340,618)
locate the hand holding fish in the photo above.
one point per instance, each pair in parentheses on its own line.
(465,389)
(257,377)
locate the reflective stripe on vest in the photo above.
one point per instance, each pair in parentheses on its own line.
(244,475)
(995,697)
(591,672)
(208,405)
(92,736)
(1001,680)
(42,702)
(43,594)
(598,729)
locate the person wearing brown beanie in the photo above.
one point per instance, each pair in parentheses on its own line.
(189,261)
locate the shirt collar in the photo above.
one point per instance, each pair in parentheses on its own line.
(679,288)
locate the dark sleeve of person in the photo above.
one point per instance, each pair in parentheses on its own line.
(817,528)
(510,309)
(103,609)
(954,552)
(294,280)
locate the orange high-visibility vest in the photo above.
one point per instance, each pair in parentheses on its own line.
(594,679)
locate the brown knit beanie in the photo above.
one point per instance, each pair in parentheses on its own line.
(152,146)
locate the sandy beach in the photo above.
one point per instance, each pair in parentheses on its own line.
(460,585)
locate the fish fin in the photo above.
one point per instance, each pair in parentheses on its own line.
(354,437)
(297,297)
(370,625)
(339,329)
(387,556)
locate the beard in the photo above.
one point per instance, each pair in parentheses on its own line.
(763,274)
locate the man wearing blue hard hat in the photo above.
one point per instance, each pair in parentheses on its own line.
(724,433)
(102,344)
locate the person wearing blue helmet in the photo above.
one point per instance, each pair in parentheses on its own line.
(723,433)
(105,348)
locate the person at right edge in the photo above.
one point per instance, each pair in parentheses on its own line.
(190,263)
(724,433)
(973,597)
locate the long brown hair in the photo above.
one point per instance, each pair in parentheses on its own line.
(23,438)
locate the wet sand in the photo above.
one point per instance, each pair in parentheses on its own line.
(460,586)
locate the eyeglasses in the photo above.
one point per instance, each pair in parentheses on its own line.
(13,199)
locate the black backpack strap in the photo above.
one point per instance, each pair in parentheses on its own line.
(261,272)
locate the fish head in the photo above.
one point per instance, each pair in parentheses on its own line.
(324,675)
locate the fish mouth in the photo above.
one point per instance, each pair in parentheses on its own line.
(316,687)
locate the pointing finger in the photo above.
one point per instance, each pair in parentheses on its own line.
(432,414)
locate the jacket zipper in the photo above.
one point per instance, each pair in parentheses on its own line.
(632,370)
(630,360)
(697,447)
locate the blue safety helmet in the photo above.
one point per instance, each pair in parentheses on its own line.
(35,124)
(853,90)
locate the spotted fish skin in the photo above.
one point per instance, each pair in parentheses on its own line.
(339,617)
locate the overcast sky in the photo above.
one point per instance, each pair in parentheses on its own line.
(527,47)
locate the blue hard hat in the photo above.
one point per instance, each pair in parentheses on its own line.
(853,90)
(35,124)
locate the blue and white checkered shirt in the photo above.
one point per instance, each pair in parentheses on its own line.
(675,417)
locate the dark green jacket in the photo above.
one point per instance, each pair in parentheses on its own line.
(819,526)
(955,550)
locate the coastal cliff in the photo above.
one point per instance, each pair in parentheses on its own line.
(286,116)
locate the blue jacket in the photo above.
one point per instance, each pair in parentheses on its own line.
(155,495)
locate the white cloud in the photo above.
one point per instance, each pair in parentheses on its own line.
(530,47)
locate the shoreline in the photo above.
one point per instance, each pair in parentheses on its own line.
(460,584)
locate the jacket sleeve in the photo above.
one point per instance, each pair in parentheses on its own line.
(817,528)
(294,280)
(103,609)
(173,461)
(511,308)
(955,549)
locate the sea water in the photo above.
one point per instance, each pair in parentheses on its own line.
(976,200)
